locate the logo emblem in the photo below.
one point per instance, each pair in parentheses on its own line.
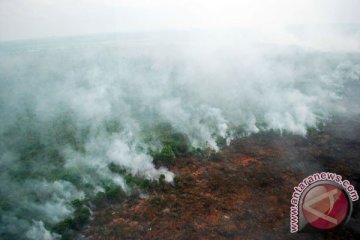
(325,206)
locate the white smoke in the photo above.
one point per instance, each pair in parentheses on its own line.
(38,231)
(58,99)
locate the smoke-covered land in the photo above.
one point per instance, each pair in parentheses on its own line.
(86,120)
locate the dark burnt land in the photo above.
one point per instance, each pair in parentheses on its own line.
(243,192)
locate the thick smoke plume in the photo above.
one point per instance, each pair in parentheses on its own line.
(71,107)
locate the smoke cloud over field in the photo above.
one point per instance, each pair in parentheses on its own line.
(72,107)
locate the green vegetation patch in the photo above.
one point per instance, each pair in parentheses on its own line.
(173,142)
(68,227)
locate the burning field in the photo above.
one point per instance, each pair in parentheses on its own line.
(171,135)
(241,192)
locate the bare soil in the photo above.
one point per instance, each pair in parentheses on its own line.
(243,193)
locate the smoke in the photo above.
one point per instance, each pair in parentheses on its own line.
(38,231)
(71,107)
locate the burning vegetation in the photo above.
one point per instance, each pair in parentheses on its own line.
(242,192)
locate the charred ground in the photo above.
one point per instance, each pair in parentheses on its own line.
(243,192)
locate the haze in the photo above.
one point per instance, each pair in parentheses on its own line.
(27,19)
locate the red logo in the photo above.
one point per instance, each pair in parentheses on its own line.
(325,206)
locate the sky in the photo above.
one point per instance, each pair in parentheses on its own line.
(26,19)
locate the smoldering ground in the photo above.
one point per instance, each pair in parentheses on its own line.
(72,107)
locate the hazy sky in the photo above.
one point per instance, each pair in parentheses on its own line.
(21,19)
